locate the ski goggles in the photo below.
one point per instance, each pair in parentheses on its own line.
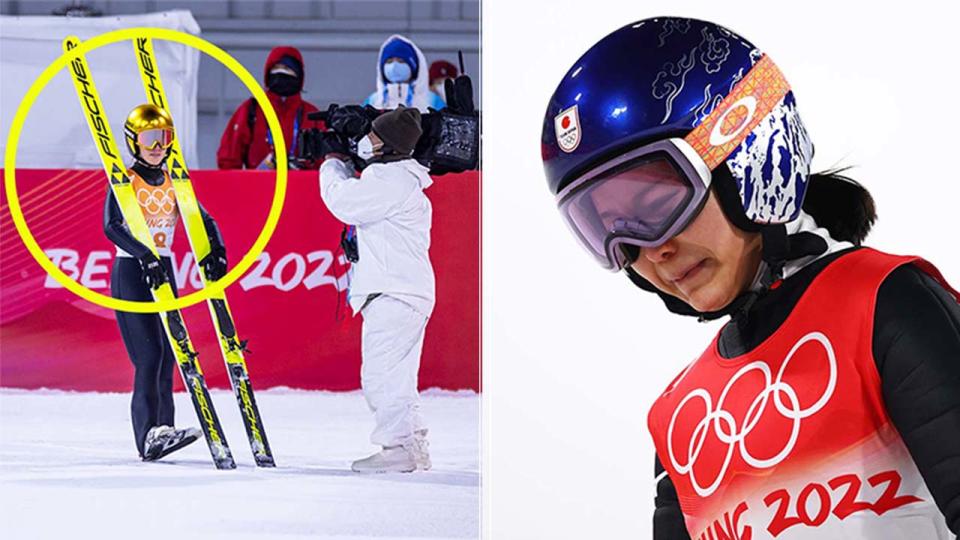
(641,198)
(155,138)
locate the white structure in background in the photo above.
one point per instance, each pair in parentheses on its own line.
(55,134)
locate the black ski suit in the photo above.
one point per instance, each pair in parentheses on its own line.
(143,333)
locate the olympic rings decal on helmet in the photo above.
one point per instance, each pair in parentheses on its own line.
(725,426)
(165,205)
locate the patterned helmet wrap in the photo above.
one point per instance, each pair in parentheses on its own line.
(673,77)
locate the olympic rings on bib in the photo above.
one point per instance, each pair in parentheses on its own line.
(728,430)
(157,201)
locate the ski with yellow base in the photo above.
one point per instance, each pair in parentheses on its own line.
(231,346)
(122,188)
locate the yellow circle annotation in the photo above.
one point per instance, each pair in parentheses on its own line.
(276,206)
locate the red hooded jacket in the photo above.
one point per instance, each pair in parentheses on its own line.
(245,146)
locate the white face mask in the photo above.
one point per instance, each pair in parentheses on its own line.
(365,148)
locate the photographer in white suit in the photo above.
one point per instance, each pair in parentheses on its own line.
(393,283)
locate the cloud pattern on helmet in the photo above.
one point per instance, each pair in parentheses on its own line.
(671,25)
(711,53)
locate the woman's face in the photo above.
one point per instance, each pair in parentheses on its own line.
(707,265)
(153,156)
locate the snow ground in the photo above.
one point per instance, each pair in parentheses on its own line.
(69,469)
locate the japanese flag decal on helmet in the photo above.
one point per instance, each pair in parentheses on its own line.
(567,126)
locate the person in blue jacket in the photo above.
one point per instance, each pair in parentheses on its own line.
(403,78)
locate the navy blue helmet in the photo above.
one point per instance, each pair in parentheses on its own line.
(687,80)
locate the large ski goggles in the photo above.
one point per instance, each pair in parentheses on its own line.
(155,138)
(641,198)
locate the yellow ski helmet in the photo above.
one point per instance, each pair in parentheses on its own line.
(149,126)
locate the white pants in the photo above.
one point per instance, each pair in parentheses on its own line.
(391,344)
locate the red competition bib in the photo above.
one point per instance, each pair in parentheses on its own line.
(792,440)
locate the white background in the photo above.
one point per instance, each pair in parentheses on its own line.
(574,356)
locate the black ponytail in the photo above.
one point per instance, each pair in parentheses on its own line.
(841,205)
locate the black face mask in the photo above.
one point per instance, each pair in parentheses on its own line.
(283,84)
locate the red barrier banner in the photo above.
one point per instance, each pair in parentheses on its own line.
(291,304)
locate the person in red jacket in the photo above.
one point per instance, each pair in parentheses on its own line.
(247,141)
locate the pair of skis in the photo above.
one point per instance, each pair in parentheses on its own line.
(230,345)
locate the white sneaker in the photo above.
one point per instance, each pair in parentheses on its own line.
(419,447)
(410,456)
(162,440)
